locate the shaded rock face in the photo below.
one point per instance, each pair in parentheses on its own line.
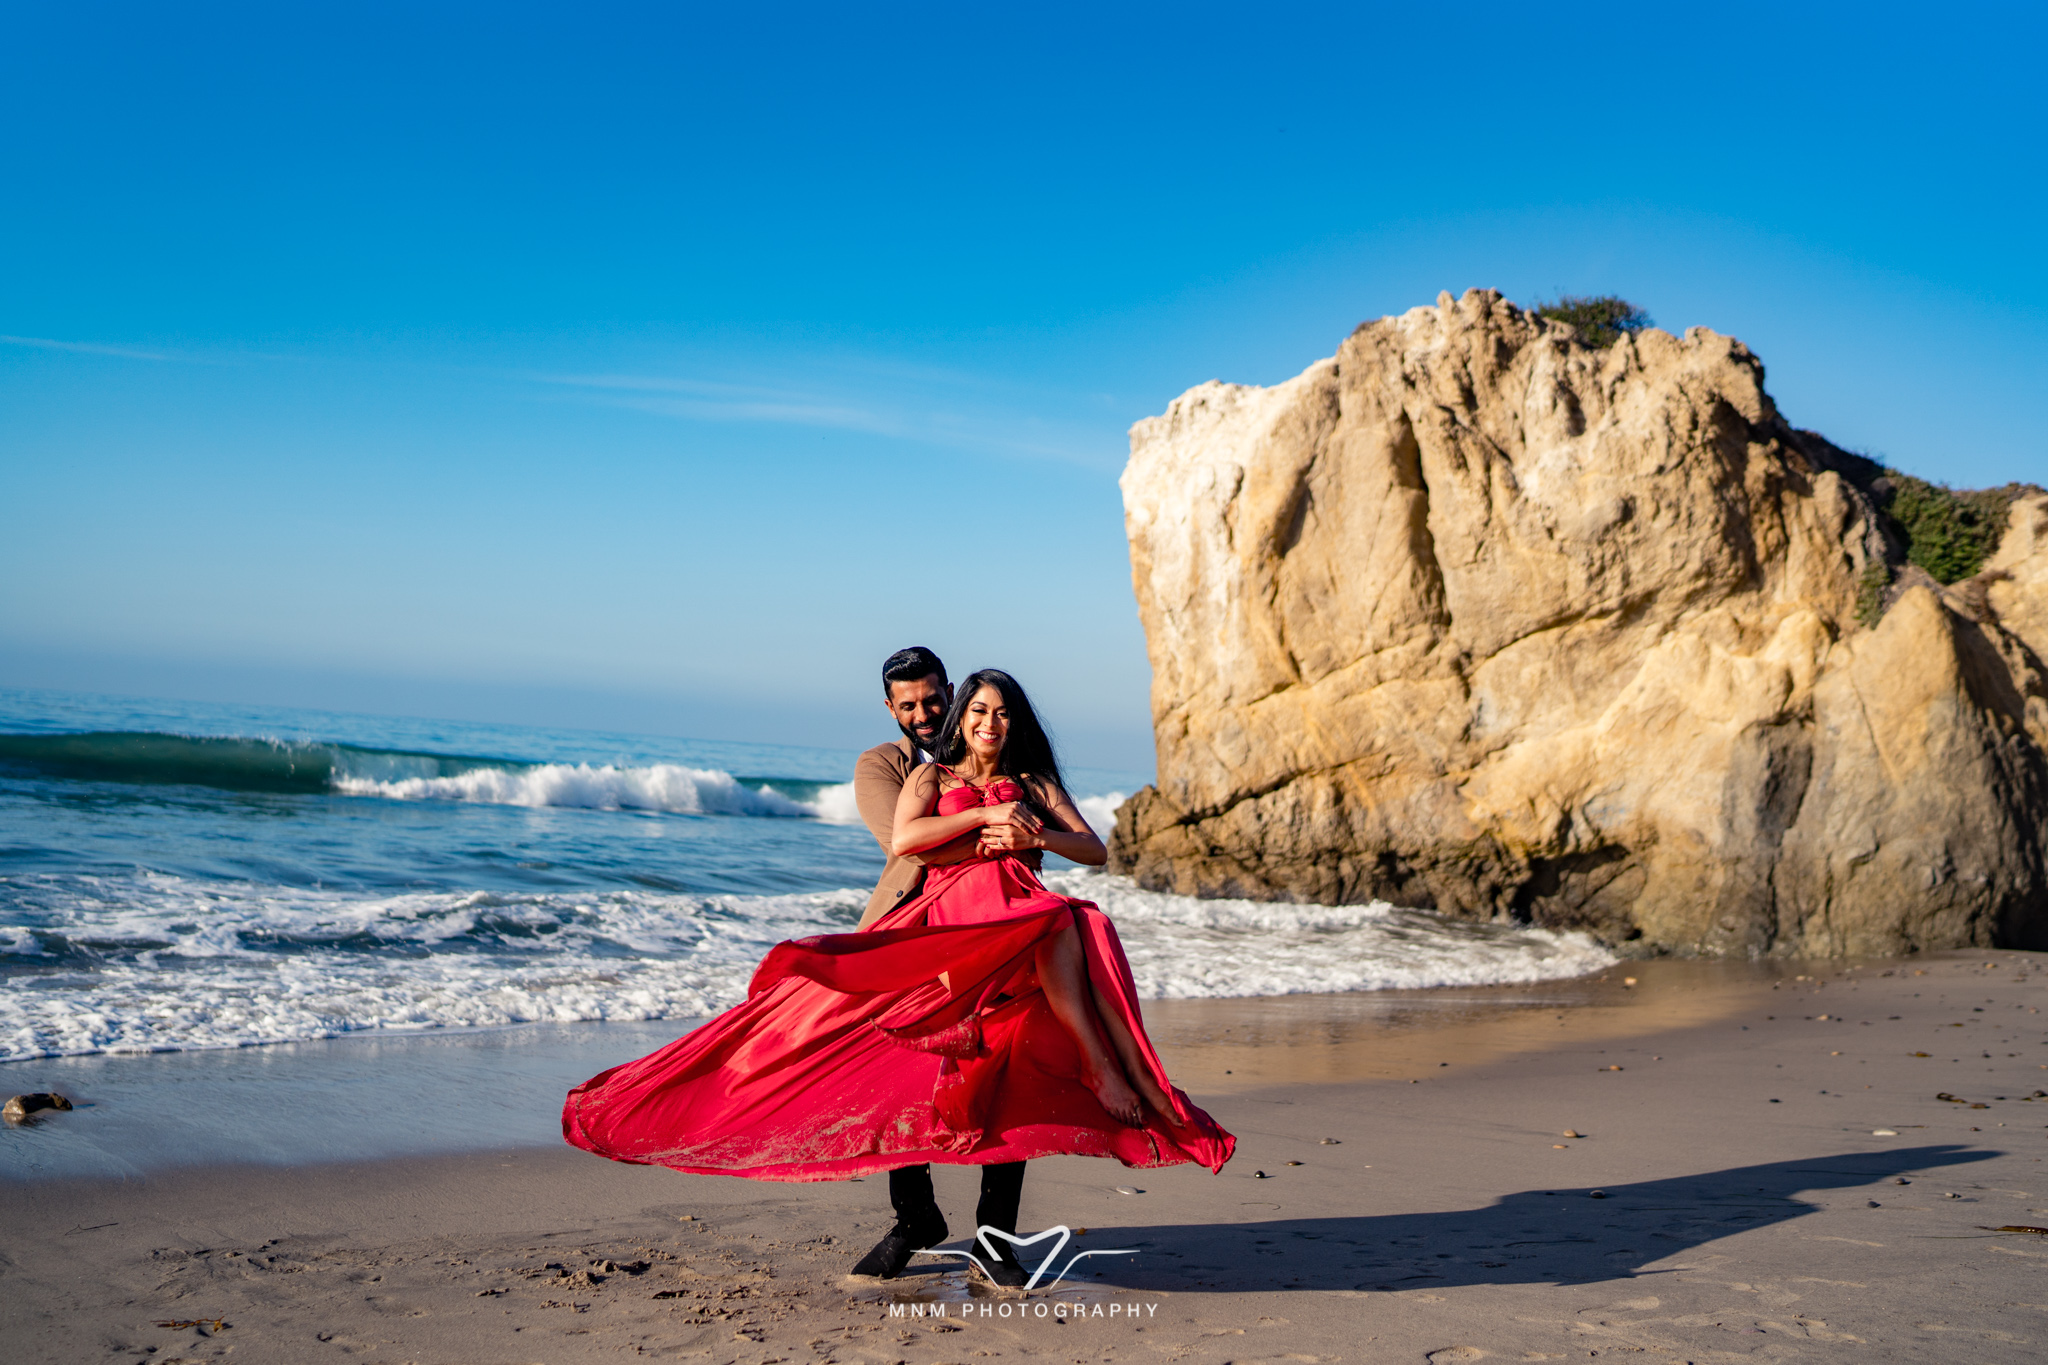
(1476,617)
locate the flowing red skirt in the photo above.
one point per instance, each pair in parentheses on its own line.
(924,1038)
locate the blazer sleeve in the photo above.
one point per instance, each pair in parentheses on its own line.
(876,784)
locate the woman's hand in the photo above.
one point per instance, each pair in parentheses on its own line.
(1010,839)
(1011,813)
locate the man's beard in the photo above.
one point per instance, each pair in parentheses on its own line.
(918,741)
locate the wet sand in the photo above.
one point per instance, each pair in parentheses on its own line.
(1729,1199)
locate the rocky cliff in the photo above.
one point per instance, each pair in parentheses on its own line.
(1477,617)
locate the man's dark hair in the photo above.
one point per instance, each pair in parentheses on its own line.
(909,665)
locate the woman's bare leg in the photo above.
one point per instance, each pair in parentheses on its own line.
(1127,1050)
(1063,974)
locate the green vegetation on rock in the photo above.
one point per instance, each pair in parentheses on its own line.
(1870,594)
(1949,534)
(1602,319)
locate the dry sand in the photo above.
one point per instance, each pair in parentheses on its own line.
(1745,1209)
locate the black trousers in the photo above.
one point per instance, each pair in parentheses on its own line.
(1002,1189)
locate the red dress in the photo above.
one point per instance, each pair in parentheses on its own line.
(925,1037)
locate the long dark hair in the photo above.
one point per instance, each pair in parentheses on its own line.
(1028,750)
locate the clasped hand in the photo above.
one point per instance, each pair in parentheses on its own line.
(1010,828)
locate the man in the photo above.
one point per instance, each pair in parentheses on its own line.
(915,690)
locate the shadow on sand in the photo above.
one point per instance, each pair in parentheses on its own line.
(1534,1236)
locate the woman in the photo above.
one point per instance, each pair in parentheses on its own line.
(987,1020)
(997,773)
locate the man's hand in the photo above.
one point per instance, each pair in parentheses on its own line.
(955,850)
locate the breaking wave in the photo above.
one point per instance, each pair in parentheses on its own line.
(289,766)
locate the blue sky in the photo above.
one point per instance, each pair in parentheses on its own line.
(658,367)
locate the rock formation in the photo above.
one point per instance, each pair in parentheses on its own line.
(1474,616)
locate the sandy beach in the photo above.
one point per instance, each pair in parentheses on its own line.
(1720,1161)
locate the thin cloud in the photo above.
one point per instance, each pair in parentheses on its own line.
(707,400)
(84,348)
(800,414)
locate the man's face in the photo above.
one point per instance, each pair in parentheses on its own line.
(919,707)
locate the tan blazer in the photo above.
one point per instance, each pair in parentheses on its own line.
(878,779)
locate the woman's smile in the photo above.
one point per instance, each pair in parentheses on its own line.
(987,724)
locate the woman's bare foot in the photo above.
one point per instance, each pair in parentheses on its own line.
(1157,1100)
(1115,1095)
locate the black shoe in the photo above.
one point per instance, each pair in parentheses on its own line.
(1002,1268)
(893,1252)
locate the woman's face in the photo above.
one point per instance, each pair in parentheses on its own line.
(986,724)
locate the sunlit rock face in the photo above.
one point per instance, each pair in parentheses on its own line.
(1477,617)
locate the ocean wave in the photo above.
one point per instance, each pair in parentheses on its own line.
(229,764)
(153,962)
(241,763)
(668,787)
(1100,811)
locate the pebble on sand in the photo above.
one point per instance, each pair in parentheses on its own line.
(19,1107)
(1331,1142)
(1571,1133)
(1884,1132)
(1128,1189)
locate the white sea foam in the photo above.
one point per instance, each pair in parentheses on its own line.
(153,962)
(176,963)
(1100,811)
(834,805)
(662,787)
(1181,947)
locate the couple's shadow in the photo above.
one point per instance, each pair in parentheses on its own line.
(1530,1237)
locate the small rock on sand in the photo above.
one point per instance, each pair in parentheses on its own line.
(20,1107)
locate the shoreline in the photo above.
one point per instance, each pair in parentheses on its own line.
(1745,1207)
(457,1090)
(440,1090)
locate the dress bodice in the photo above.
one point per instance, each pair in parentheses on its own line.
(968,796)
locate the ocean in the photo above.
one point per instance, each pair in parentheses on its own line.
(177,876)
